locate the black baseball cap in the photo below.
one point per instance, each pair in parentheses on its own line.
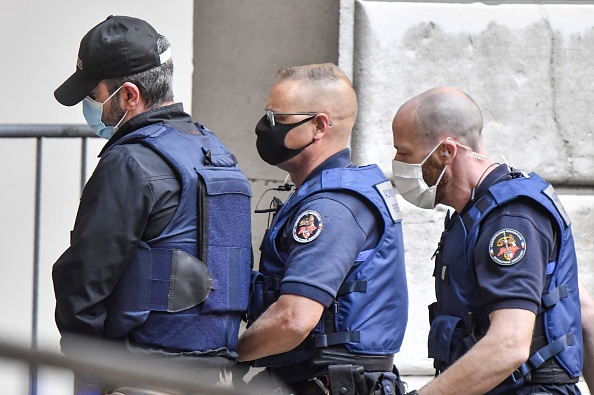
(116,47)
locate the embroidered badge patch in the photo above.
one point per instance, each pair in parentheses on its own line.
(308,226)
(507,247)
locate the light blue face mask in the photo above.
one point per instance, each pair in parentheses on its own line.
(93,112)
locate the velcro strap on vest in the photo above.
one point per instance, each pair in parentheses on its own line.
(352,286)
(218,156)
(179,281)
(545,353)
(550,299)
(332,339)
(554,296)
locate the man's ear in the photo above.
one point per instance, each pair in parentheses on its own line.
(322,123)
(448,151)
(130,98)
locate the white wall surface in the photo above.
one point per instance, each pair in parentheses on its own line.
(40,43)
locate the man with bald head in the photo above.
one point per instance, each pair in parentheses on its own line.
(507,316)
(329,306)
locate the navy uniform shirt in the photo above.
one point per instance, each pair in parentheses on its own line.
(514,246)
(315,269)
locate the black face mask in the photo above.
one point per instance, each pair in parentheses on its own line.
(271,141)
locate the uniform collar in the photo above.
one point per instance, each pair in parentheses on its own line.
(173,115)
(498,174)
(339,160)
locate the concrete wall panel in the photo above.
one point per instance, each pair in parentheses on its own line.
(238,48)
(525,65)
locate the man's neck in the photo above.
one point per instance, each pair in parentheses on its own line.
(464,190)
(300,174)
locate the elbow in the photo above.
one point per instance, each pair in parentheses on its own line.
(517,352)
(521,356)
(510,336)
(299,315)
(296,328)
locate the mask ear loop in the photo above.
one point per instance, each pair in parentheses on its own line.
(441,175)
(471,153)
(112,95)
(117,125)
(428,156)
(430,153)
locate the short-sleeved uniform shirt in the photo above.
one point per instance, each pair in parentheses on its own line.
(514,246)
(317,266)
(513,256)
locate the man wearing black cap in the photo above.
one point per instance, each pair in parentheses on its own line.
(160,251)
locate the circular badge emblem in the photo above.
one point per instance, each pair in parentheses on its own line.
(507,247)
(307,227)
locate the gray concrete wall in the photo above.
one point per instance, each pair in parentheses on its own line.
(528,67)
(238,48)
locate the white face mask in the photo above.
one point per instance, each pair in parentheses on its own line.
(93,112)
(411,185)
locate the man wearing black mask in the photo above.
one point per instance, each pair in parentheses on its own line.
(329,306)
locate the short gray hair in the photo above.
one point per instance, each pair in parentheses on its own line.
(155,85)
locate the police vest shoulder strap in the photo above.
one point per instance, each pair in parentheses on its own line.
(476,212)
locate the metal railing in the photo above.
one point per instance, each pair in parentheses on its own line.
(38,132)
(110,362)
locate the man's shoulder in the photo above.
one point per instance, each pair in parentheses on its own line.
(138,155)
(340,205)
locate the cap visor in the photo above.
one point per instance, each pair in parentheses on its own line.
(74,89)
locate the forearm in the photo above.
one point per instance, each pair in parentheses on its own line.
(494,358)
(477,372)
(282,327)
(263,339)
(79,309)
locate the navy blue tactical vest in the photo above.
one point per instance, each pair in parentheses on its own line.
(458,318)
(186,290)
(371,309)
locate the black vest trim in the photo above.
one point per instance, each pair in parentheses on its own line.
(332,339)
(352,286)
